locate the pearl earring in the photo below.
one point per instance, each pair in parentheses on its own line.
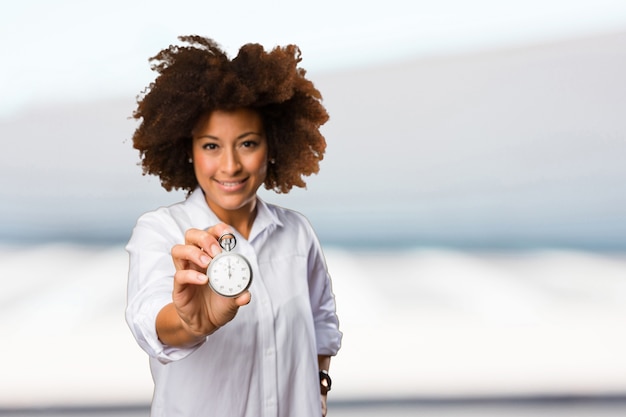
(190,161)
(272,161)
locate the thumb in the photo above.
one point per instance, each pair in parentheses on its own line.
(243,299)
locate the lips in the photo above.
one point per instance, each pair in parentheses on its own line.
(231,185)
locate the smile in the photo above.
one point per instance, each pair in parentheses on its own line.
(231,184)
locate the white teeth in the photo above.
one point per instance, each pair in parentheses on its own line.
(230,184)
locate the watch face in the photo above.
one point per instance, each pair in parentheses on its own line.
(229,274)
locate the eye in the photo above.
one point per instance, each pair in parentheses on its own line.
(249,144)
(209,146)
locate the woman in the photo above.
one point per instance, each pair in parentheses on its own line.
(220,129)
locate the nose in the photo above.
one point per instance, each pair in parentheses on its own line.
(230,163)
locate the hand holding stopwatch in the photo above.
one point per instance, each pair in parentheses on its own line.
(229,273)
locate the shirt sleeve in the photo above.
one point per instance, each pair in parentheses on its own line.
(327,334)
(150,282)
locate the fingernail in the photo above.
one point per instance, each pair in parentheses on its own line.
(214,250)
(205,259)
(201,277)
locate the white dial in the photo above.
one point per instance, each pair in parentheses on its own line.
(229,273)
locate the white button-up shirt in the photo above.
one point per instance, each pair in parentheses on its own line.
(264,362)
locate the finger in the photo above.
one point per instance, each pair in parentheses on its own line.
(202,240)
(190,277)
(243,299)
(207,239)
(186,255)
(216,232)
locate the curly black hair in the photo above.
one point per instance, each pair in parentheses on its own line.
(196,79)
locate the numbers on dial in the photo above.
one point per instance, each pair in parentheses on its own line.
(229,274)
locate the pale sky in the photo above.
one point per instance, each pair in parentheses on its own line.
(73,50)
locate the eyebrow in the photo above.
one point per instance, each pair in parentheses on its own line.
(243,135)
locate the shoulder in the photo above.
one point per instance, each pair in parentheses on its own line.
(289,217)
(293,228)
(180,213)
(162,214)
(164,223)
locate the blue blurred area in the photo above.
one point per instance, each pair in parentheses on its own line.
(509,148)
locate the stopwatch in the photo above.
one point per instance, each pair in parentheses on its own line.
(229,273)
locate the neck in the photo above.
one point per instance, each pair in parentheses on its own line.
(244,225)
(241,219)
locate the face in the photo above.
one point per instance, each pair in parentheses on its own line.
(229,152)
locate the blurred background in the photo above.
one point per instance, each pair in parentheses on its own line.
(471,202)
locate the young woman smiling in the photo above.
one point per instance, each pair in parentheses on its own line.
(220,129)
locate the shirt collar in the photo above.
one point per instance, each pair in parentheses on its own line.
(199,211)
(266,220)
